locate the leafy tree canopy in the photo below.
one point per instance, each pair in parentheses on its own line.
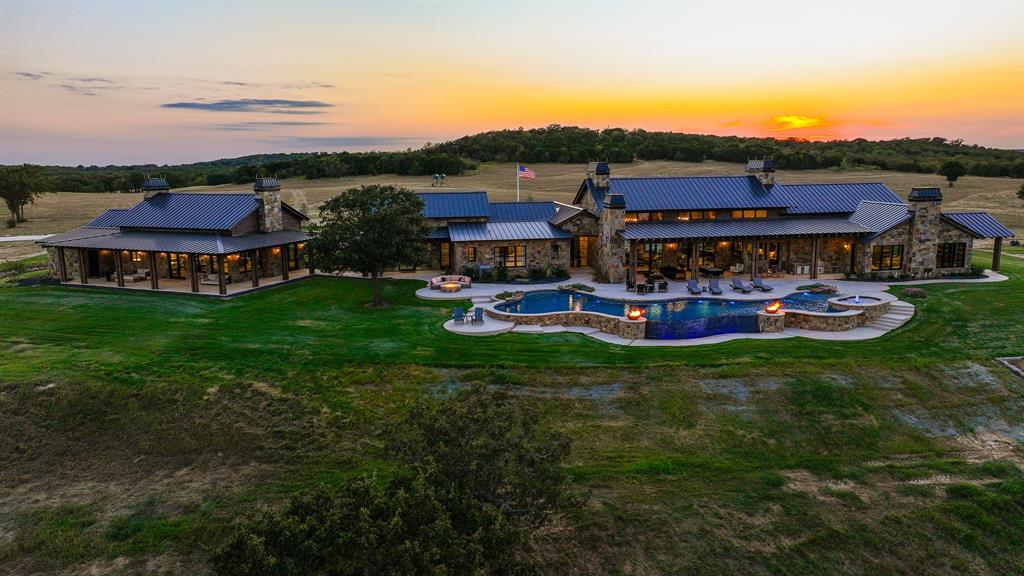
(19,187)
(368,230)
(952,170)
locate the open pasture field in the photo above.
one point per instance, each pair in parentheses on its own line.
(137,428)
(61,211)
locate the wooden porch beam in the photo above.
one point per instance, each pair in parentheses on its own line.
(83,266)
(193,272)
(62,266)
(255,269)
(284,261)
(753,261)
(119,268)
(222,286)
(997,253)
(154,276)
(814,257)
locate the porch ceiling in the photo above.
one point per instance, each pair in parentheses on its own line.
(740,228)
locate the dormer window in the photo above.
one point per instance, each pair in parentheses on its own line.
(749,214)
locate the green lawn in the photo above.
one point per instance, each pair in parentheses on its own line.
(135,428)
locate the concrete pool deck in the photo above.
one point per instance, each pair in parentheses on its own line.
(900,312)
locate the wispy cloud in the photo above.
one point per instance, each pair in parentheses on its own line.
(32,75)
(91,80)
(78,90)
(272,106)
(351,141)
(797,122)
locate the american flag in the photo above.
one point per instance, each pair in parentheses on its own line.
(525,172)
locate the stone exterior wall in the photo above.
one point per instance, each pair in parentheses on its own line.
(951,234)
(924,239)
(290,221)
(770,323)
(582,224)
(823,322)
(611,248)
(624,327)
(897,235)
(870,311)
(271,219)
(539,254)
(249,225)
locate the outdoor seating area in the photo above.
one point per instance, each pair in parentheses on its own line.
(453,282)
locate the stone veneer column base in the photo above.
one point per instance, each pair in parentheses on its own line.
(771,323)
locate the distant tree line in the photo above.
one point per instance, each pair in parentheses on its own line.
(561,144)
(245,169)
(571,144)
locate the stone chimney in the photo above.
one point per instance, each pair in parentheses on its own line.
(598,173)
(924,231)
(153,186)
(268,191)
(763,170)
(611,251)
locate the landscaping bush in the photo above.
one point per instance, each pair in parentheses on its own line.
(501,274)
(475,476)
(577,286)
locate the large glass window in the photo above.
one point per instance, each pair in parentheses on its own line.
(747,214)
(471,253)
(951,255)
(445,255)
(889,257)
(696,215)
(510,256)
(649,256)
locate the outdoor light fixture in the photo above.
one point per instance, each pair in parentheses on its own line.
(635,313)
(773,307)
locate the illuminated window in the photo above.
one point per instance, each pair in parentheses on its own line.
(138,257)
(888,257)
(471,253)
(510,256)
(747,214)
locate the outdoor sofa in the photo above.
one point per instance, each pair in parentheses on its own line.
(462,281)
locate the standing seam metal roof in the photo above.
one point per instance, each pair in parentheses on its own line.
(454,204)
(188,211)
(880,216)
(737,228)
(491,231)
(980,224)
(182,242)
(834,198)
(521,211)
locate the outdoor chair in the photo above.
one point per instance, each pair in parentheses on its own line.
(459,316)
(760,285)
(663,286)
(693,287)
(478,315)
(713,287)
(738,284)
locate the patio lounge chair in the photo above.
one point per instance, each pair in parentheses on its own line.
(478,315)
(693,287)
(713,287)
(760,285)
(458,315)
(738,284)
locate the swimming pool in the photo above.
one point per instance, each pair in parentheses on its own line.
(670,319)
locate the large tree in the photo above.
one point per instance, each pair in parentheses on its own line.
(19,187)
(368,230)
(952,170)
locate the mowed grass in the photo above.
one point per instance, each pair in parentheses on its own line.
(136,428)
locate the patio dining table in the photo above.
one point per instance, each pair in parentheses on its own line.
(711,271)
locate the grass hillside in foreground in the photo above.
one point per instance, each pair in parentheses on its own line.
(136,428)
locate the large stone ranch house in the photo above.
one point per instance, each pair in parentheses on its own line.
(686,226)
(186,242)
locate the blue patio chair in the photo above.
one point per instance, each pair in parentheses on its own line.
(738,284)
(760,285)
(693,287)
(459,315)
(713,286)
(478,315)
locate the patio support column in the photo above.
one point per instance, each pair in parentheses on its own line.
(997,253)
(312,267)
(119,268)
(62,266)
(255,269)
(814,257)
(193,273)
(83,266)
(694,265)
(632,260)
(284,261)
(222,287)
(154,277)
(753,261)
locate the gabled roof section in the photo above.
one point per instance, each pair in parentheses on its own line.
(109,219)
(836,198)
(587,187)
(455,204)
(880,216)
(189,211)
(521,211)
(511,231)
(566,212)
(978,224)
(697,192)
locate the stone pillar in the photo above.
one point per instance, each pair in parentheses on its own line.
(83,266)
(255,269)
(119,268)
(611,252)
(222,286)
(193,273)
(154,277)
(284,261)
(924,232)
(694,258)
(997,253)
(753,263)
(62,266)
(771,323)
(814,257)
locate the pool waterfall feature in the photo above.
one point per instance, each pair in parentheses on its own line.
(687,318)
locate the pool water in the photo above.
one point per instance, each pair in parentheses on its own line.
(670,319)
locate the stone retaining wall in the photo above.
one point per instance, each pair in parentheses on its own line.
(630,329)
(871,311)
(823,322)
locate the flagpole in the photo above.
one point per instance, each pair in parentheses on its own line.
(517,181)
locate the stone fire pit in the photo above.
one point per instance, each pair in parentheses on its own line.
(449,287)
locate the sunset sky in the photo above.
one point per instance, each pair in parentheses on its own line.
(100,83)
